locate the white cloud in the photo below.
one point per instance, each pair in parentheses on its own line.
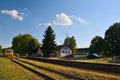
(14,13)
(39,24)
(82,21)
(48,24)
(63,20)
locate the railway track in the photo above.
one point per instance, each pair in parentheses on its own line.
(34,71)
(67,76)
(108,68)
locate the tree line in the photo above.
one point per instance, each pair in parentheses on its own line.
(110,44)
(26,44)
(107,46)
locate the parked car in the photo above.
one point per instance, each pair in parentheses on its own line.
(70,56)
(93,56)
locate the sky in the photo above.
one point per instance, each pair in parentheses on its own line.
(83,19)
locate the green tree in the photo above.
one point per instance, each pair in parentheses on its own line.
(3,50)
(24,44)
(97,45)
(0,50)
(16,43)
(67,41)
(112,38)
(71,42)
(33,45)
(49,46)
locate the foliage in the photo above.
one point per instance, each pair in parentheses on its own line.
(49,46)
(110,45)
(25,44)
(97,45)
(3,50)
(71,41)
(112,38)
(73,44)
(0,49)
(33,45)
(67,41)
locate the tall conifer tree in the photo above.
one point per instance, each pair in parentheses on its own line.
(49,46)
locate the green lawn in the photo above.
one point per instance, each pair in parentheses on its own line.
(11,71)
(99,60)
(83,58)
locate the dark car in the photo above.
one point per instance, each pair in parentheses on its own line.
(93,56)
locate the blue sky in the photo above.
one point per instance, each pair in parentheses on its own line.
(83,19)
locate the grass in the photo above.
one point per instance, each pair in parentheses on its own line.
(83,58)
(11,71)
(77,72)
(99,60)
(46,72)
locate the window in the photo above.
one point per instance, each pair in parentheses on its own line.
(65,51)
(9,51)
(68,51)
(62,51)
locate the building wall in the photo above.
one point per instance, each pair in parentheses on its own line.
(82,50)
(64,51)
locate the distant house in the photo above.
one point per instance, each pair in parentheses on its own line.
(39,52)
(64,50)
(82,50)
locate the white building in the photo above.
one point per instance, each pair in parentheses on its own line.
(64,50)
(39,52)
